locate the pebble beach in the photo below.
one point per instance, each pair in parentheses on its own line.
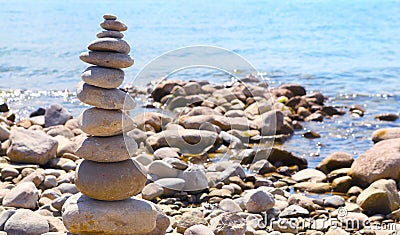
(198,152)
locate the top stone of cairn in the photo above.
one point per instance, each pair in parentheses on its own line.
(111,23)
(112,27)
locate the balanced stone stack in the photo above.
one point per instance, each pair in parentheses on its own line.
(108,178)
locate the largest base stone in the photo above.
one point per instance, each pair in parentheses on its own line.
(83,215)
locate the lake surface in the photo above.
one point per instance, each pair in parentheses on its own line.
(348,50)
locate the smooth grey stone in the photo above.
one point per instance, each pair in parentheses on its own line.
(102,122)
(107,59)
(103,77)
(113,25)
(104,98)
(109,34)
(110,44)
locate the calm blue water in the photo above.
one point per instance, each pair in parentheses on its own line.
(349,50)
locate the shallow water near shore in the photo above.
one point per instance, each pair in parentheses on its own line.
(350,51)
(339,133)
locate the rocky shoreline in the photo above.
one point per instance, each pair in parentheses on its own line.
(211,167)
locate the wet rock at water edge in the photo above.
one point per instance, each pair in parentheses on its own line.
(335,161)
(311,135)
(391,117)
(279,157)
(38,112)
(296,89)
(4,108)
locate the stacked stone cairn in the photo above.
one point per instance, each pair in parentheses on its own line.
(108,177)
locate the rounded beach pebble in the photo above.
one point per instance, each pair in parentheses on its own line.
(107,59)
(103,77)
(110,181)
